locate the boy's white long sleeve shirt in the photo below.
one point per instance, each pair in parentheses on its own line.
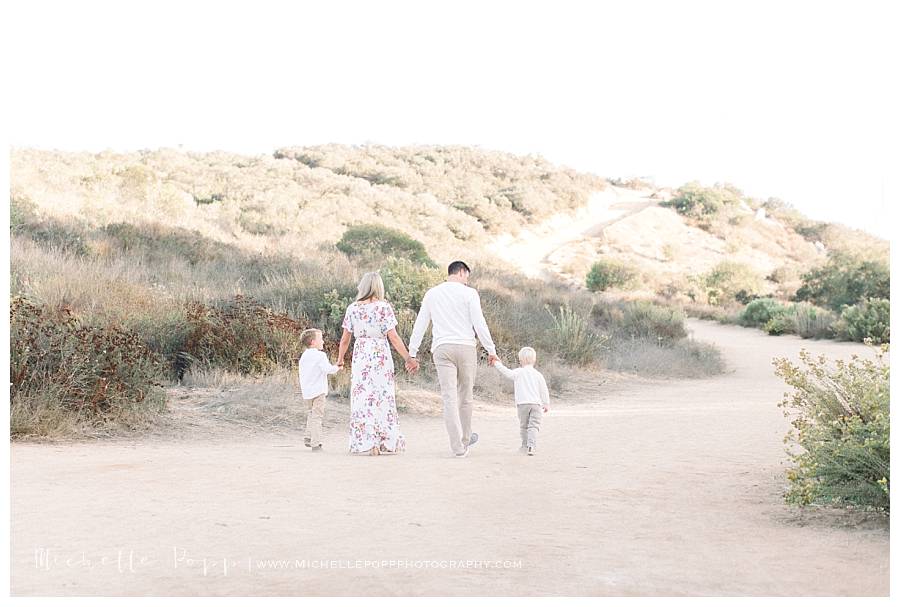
(314,371)
(528,383)
(454,311)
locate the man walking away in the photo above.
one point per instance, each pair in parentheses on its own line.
(454,310)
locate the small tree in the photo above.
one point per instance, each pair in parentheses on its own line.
(845,281)
(606,274)
(731,281)
(368,240)
(406,282)
(694,200)
(869,320)
(760,311)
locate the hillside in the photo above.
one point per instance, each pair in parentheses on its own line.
(542,219)
(158,267)
(450,198)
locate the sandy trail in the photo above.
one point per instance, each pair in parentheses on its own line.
(532,249)
(656,488)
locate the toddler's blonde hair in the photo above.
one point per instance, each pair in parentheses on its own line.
(527,356)
(307,337)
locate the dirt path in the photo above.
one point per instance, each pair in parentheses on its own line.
(651,489)
(543,249)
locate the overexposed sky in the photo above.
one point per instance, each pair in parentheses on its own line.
(789,99)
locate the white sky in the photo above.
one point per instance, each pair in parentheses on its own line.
(788,99)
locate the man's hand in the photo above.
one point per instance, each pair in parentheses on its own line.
(492,358)
(546,409)
(412,365)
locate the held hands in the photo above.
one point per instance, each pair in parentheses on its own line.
(412,365)
(492,359)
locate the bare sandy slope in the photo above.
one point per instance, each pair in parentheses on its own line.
(629,226)
(651,488)
(547,248)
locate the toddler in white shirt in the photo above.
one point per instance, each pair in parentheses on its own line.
(314,371)
(531,395)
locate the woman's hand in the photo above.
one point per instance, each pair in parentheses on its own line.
(411,363)
(342,348)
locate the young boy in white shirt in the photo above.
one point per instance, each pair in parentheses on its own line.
(314,371)
(531,395)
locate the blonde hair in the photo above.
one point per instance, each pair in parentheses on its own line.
(307,337)
(370,286)
(527,356)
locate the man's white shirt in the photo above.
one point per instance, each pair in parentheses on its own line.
(454,311)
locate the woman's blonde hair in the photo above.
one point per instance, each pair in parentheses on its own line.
(370,286)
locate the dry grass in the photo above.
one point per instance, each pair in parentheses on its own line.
(87,235)
(446,197)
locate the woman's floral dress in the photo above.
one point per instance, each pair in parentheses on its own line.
(373,405)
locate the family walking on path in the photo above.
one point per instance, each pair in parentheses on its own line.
(453,309)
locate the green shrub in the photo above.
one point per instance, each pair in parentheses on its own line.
(694,200)
(67,236)
(841,422)
(779,325)
(332,306)
(22,211)
(61,369)
(646,320)
(760,311)
(870,319)
(845,281)
(375,241)
(405,282)
(159,244)
(731,281)
(607,274)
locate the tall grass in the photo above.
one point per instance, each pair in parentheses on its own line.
(651,340)
(197,306)
(576,343)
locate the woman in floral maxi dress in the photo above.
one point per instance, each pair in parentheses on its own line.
(374,427)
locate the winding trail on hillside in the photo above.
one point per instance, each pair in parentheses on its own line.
(648,488)
(531,249)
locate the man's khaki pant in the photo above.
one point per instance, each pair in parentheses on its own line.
(455,366)
(314,419)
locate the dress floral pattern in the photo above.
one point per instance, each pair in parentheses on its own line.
(373,405)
